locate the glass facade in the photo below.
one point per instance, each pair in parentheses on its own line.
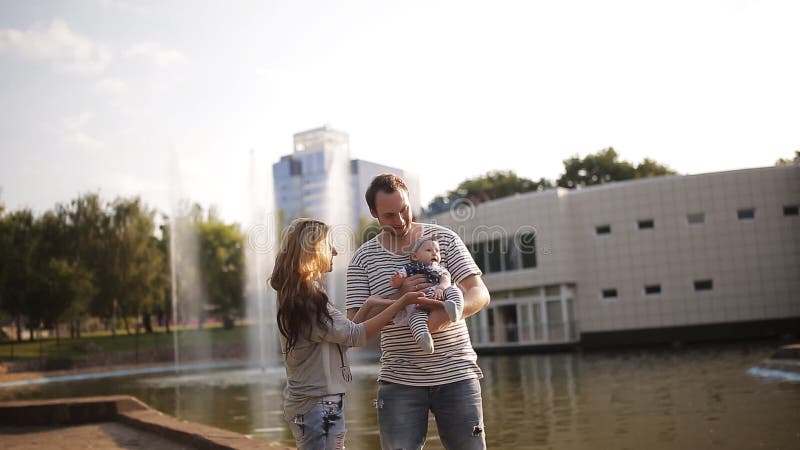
(310,181)
(505,254)
(529,316)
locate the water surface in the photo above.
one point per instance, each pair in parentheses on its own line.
(685,398)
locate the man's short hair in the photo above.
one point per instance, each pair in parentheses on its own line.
(385,182)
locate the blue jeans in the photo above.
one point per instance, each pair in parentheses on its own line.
(321,428)
(403,415)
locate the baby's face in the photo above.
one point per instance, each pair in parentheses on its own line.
(427,253)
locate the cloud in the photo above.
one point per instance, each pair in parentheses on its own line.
(134,7)
(83,140)
(112,86)
(74,133)
(160,55)
(58,44)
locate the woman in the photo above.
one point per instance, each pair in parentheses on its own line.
(315,335)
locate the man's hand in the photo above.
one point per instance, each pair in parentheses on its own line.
(414,283)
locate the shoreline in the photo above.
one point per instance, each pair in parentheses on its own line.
(17,377)
(786,356)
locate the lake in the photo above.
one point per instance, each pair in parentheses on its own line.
(676,398)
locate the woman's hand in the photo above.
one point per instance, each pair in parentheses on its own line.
(412,298)
(422,302)
(374,300)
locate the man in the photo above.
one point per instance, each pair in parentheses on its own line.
(411,382)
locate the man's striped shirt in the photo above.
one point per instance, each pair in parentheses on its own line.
(402,360)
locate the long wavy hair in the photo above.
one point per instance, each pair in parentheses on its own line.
(304,257)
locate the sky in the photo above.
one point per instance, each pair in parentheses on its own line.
(155,98)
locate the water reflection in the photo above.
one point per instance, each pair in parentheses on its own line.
(655,399)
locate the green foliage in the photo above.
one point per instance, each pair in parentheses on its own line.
(490,186)
(786,161)
(93,344)
(134,260)
(18,264)
(89,258)
(604,167)
(222,264)
(601,167)
(368,229)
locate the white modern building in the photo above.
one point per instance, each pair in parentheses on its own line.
(674,258)
(318,179)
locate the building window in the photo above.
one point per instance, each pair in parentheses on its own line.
(602,229)
(646,224)
(495,256)
(746,213)
(527,250)
(527,292)
(652,289)
(696,218)
(703,285)
(295,168)
(790,210)
(555,321)
(478,250)
(609,293)
(490,323)
(500,255)
(553,290)
(510,259)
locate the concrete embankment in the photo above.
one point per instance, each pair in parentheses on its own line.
(783,364)
(109,422)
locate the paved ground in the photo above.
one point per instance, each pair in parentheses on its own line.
(106,435)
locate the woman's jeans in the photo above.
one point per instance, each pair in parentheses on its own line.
(403,415)
(321,428)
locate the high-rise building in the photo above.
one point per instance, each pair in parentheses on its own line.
(318,179)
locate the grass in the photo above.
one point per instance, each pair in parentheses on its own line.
(104,342)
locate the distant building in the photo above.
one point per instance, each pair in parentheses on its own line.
(320,180)
(673,258)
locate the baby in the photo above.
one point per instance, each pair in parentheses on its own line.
(425,260)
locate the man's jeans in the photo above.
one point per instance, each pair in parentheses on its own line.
(322,427)
(403,415)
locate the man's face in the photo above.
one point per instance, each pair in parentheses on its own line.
(393,212)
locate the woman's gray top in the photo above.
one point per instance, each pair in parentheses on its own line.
(317,365)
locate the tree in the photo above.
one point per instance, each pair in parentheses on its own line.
(45,303)
(604,167)
(490,186)
(87,230)
(17,265)
(785,161)
(5,253)
(649,168)
(72,285)
(135,262)
(367,230)
(65,294)
(222,266)
(164,311)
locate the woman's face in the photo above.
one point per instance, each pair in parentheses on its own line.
(333,253)
(331,250)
